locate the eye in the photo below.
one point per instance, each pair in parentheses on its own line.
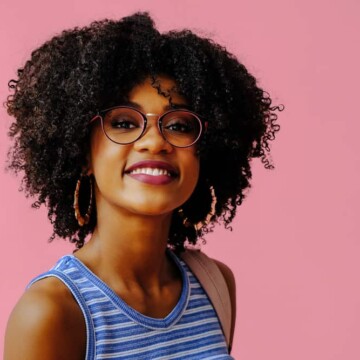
(123,119)
(179,127)
(123,123)
(179,124)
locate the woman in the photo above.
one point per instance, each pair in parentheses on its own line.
(155,133)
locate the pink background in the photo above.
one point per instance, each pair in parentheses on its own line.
(295,245)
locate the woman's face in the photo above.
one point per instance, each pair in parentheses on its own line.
(119,170)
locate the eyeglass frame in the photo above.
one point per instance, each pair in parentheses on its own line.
(101,114)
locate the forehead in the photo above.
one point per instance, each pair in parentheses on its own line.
(160,91)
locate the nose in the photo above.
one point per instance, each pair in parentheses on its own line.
(152,139)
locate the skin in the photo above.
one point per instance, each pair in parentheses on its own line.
(127,248)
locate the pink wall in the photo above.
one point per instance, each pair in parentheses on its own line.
(295,245)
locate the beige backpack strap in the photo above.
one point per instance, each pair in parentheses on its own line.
(230,281)
(211,276)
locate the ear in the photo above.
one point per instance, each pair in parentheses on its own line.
(87,170)
(87,167)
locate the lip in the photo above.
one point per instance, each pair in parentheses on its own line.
(153,164)
(152,180)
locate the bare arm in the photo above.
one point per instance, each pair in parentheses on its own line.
(47,324)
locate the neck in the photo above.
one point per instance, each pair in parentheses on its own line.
(129,246)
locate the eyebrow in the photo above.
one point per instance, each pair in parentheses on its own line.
(166,108)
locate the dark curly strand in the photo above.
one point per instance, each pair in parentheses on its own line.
(86,69)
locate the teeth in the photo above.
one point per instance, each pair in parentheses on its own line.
(150,171)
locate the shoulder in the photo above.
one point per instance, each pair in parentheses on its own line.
(227,273)
(230,281)
(231,284)
(49,323)
(189,255)
(198,259)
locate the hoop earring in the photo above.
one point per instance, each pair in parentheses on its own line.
(211,213)
(82,220)
(186,221)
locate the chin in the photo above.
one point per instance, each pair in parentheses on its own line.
(153,206)
(154,211)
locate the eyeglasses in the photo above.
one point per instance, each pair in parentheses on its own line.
(125,125)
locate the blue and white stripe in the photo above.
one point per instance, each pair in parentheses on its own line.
(117,331)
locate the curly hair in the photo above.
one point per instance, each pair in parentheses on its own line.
(82,70)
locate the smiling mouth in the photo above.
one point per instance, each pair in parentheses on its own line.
(152,168)
(152,172)
(152,176)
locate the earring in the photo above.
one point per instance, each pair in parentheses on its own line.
(82,220)
(211,213)
(186,221)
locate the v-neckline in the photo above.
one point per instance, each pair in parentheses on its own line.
(147,321)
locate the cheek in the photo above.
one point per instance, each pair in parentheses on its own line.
(95,147)
(105,156)
(192,170)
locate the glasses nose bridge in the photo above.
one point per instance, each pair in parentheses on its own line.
(157,124)
(150,115)
(158,121)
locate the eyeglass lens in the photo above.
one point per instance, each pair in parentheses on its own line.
(125,125)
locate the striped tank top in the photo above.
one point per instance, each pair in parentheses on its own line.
(117,331)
